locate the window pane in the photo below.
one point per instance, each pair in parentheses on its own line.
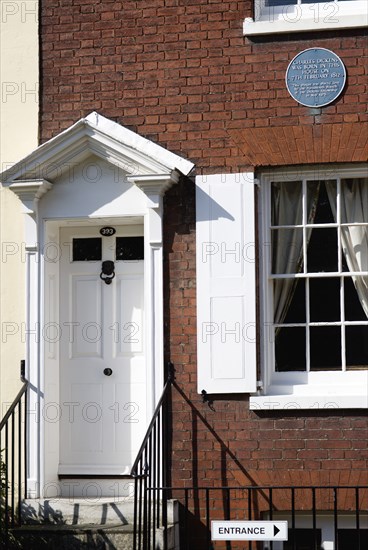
(87,250)
(353,305)
(354,240)
(350,538)
(269,3)
(320,199)
(290,349)
(130,248)
(289,296)
(318,1)
(303,539)
(344,264)
(322,251)
(325,348)
(280,2)
(356,343)
(286,197)
(287,251)
(324,299)
(354,200)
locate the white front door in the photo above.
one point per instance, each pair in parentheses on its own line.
(102,363)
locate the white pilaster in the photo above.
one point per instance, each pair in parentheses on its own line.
(29,193)
(154,187)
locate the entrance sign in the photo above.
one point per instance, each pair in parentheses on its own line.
(249,530)
(315,77)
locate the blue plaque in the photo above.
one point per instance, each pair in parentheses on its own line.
(315,77)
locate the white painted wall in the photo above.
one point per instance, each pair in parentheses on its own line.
(18,136)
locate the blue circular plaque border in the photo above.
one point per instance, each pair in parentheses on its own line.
(315,77)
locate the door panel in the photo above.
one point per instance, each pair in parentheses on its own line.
(87,316)
(103,416)
(91,437)
(129,326)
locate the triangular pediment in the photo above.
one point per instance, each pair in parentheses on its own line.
(101,137)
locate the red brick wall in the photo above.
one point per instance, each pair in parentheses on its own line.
(181,73)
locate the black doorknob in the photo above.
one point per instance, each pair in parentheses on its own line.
(107,372)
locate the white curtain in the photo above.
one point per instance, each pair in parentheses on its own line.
(287,244)
(354,239)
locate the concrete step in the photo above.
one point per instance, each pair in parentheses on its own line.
(76,512)
(65,511)
(67,537)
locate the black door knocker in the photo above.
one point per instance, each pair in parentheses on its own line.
(108,268)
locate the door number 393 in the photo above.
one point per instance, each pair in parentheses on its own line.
(107,231)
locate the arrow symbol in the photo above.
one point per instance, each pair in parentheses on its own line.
(275,530)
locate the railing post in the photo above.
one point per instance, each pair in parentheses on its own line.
(23,370)
(135,515)
(19,461)
(357,518)
(208,521)
(336,531)
(25,435)
(6,479)
(12,481)
(315,543)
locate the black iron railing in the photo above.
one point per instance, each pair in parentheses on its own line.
(13,448)
(311,512)
(150,470)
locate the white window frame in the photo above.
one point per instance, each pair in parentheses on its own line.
(336,14)
(299,390)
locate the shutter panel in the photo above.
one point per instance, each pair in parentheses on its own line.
(226,286)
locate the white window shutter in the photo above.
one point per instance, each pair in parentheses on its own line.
(226,285)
